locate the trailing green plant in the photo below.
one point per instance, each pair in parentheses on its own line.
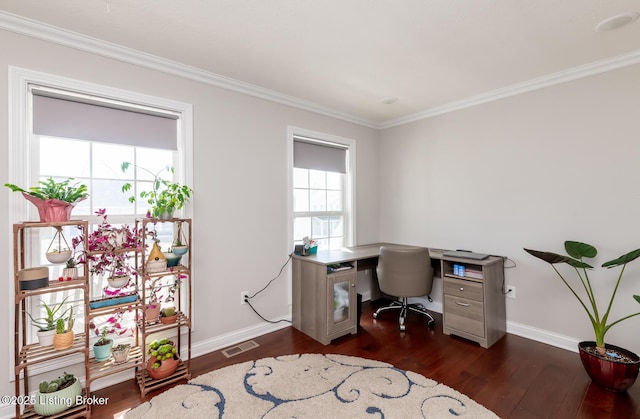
(164,196)
(577,253)
(57,384)
(49,321)
(52,189)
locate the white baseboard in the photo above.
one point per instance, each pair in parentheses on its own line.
(543,336)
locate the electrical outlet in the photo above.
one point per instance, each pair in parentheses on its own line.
(510,290)
(244,296)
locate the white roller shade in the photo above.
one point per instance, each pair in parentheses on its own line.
(319,156)
(57,115)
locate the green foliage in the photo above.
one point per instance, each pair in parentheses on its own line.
(103,337)
(164,196)
(49,322)
(60,326)
(168,312)
(51,189)
(577,252)
(57,384)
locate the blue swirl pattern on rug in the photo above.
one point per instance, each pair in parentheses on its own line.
(312,386)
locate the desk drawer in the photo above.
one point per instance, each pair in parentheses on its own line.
(462,288)
(464,315)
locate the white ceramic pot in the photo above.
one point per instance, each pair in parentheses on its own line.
(70,273)
(118,281)
(45,337)
(58,257)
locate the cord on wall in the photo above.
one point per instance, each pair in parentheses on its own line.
(247,297)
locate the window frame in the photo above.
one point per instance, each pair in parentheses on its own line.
(23,153)
(349,187)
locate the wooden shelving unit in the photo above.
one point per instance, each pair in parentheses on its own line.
(27,354)
(183,322)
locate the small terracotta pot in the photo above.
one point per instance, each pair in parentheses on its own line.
(169,319)
(63,340)
(168,367)
(152,313)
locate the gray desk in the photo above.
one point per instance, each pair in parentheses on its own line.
(324,303)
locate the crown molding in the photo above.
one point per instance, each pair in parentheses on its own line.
(553,79)
(39,30)
(43,31)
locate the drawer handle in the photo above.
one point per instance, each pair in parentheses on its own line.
(461,288)
(462,304)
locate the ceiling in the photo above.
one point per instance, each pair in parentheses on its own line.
(350,56)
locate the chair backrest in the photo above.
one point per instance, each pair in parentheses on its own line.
(404,271)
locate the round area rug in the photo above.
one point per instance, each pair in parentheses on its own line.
(311,386)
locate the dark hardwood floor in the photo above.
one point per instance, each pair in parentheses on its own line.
(515,378)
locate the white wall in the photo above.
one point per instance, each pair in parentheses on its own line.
(533,170)
(240,184)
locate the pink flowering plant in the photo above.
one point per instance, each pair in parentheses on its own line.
(105,243)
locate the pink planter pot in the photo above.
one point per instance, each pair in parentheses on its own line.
(51,210)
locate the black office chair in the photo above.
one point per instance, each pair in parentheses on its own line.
(403,273)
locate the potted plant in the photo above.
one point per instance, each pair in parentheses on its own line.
(121,272)
(63,338)
(609,366)
(120,352)
(165,197)
(54,200)
(56,396)
(179,245)
(163,360)
(152,309)
(168,315)
(70,269)
(107,246)
(102,347)
(47,325)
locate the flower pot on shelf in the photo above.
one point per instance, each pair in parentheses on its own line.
(173,259)
(152,312)
(48,404)
(169,319)
(120,353)
(52,210)
(616,374)
(58,256)
(166,368)
(70,273)
(118,281)
(179,250)
(102,352)
(63,340)
(33,278)
(45,337)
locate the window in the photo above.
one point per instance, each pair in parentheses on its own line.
(322,189)
(65,128)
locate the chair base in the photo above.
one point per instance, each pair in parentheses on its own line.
(404,306)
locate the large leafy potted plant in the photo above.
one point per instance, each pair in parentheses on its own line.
(54,199)
(165,197)
(609,366)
